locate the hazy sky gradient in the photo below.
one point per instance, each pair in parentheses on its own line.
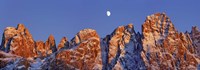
(67,17)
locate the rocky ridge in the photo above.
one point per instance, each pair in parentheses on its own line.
(160,46)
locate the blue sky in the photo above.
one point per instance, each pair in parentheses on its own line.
(67,17)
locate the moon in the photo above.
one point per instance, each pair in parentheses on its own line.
(108,13)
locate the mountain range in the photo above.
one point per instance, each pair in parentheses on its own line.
(158,47)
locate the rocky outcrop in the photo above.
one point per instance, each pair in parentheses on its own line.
(164,47)
(50,45)
(195,36)
(45,49)
(64,44)
(40,49)
(9,32)
(18,41)
(119,49)
(83,35)
(85,53)
(156,28)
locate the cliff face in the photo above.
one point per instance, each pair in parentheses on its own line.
(164,47)
(64,44)
(160,46)
(50,45)
(18,41)
(121,49)
(195,37)
(85,53)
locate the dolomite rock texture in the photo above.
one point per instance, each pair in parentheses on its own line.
(164,47)
(158,47)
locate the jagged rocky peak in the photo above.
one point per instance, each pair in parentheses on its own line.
(51,39)
(195,36)
(195,29)
(45,49)
(122,29)
(50,45)
(10,32)
(163,46)
(20,27)
(156,28)
(118,48)
(86,55)
(83,35)
(64,43)
(17,39)
(122,32)
(119,36)
(158,24)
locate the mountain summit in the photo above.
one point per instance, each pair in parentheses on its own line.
(159,47)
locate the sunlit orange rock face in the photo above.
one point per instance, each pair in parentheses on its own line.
(85,53)
(50,45)
(64,43)
(47,48)
(18,41)
(166,48)
(40,48)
